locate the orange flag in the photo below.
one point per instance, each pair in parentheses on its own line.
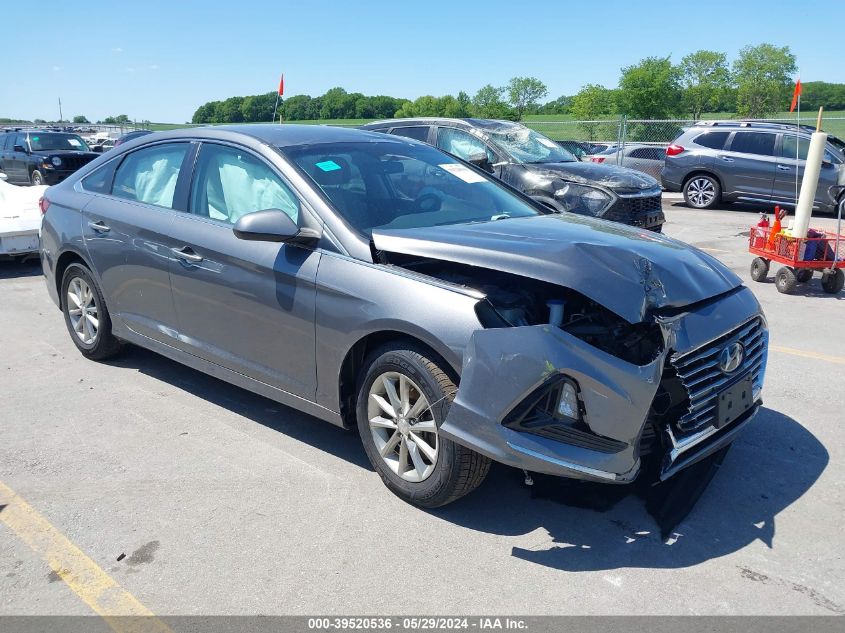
(795,95)
(282,85)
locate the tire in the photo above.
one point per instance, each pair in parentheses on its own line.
(35,178)
(759,269)
(833,282)
(454,470)
(785,280)
(82,300)
(804,275)
(702,192)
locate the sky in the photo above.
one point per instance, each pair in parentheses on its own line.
(159,60)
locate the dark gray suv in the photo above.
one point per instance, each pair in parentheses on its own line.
(747,161)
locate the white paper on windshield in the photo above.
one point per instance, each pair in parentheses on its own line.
(463,172)
(74,142)
(546,142)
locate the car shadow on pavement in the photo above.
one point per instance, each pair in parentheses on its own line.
(15,268)
(269,413)
(574,526)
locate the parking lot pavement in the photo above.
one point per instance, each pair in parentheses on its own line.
(224,502)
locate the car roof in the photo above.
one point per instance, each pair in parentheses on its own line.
(285,135)
(480,123)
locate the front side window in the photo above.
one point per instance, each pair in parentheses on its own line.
(149,175)
(759,143)
(462,144)
(20,139)
(416,132)
(229,183)
(392,185)
(524,145)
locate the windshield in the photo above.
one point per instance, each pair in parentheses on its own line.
(527,146)
(49,141)
(399,185)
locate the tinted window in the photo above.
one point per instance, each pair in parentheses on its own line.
(649,153)
(100,180)
(462,144)
(5,141)
(403,186)
(230,183)
(20,139)
(418,132)
(713,140)
(149,175)
(760,143)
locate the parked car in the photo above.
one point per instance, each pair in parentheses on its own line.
(645,158)
(747,161)
(42,158)
(379,283)
(103,145)
(20,219)
(578,149)
(131,135)
(539,167)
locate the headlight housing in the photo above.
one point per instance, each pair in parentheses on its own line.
(583,199)
(57,162)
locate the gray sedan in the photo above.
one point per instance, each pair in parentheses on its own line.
(380,284)
(648,159)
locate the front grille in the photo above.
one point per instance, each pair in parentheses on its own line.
(626,210)
(72,162)
(700,375)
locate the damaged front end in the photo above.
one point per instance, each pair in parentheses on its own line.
(556,383)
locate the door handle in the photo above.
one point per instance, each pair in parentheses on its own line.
(99,226)
(186,253)
(726,159)
(784,168)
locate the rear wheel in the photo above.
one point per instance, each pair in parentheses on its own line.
(759,269)
(86,316)
(702,192)
(403,399)
(785,280)
(833,282)
(36,178)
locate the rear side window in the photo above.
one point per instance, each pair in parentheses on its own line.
(759,143)
(149,175)
(649,153)
(713,140)
(100,180)
(417,132)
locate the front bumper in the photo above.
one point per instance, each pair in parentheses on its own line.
(55,176)
(503,366)
(645,211)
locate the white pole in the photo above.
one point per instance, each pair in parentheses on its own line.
(797,146)
(810,182)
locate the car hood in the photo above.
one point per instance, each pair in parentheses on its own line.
(627,270)
(619,179)
(63,152)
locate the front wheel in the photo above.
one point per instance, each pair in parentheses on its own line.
(702,192)
(86,316)
(759,269)
(785,280)
(403,399)
(833,282)
(36,178)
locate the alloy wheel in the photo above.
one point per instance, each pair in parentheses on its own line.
(701,192)
(82,310)
(403,427)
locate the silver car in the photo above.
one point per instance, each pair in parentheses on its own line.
(645,158)
(380,284)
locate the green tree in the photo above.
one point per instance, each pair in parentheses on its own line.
(705,79)
(592,103)
(487,103)
(337,104)
(458,107)
(650,89)
(815,94)
(229,111)
(255,108)
(524,93)
(763,77)
(561,105)
(80,119)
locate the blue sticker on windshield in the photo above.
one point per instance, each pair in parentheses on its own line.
(328,165)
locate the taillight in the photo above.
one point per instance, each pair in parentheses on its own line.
(43,204)
(674,150)
(597,159)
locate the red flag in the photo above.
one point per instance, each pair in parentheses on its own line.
(282,85)
(795,95)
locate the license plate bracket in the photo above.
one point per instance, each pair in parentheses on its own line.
(732,402)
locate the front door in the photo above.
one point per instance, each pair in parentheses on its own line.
(126,234)
(789,167)
(248,306)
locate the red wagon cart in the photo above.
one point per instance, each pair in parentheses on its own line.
(821,251)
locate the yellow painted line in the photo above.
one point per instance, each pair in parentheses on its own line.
(85,578)
(800,352)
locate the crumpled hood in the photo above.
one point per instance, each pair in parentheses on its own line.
(610,176)
(627,270)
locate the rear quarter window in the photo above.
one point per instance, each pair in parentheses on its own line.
(713,140)
(416,132)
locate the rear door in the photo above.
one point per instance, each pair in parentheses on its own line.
(126,231)
(747,167)
(16,161)
(790,170)
(248,306)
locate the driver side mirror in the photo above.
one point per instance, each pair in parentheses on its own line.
(481,161)
(272,225)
